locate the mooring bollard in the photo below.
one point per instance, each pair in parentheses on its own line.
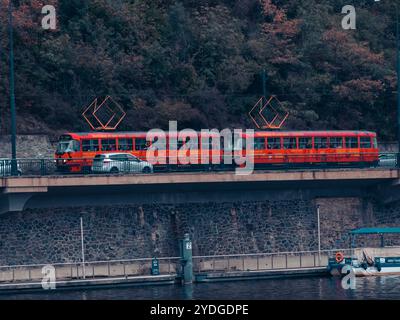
(186,260)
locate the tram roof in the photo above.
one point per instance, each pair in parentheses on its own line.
(375,230)
(256,132)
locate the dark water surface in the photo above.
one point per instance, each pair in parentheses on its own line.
(387,287)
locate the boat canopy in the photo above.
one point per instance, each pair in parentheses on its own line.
(374,231)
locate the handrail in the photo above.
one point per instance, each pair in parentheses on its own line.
(271,253)
(88,262)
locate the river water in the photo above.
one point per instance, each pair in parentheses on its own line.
(325,288)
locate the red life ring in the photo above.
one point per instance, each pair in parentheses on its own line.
(339,257)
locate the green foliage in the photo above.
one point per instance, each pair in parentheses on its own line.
(199,62)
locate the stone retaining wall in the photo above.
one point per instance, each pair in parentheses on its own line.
(125,232)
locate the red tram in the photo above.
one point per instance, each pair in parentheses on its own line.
(75,151)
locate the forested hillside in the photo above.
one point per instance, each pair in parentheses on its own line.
(199,62)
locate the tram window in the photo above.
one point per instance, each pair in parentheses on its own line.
(305,143)
(351,142)
(76,146)
(161,145)
(237,142)
(125,144)
(274,143)
(336,142)
(365,142)
(181,143)
(289,143)
(214,143)
(206,143)
(90,145)
(244,144)
(108,145)
(259,143)
(141,144)
(321,143)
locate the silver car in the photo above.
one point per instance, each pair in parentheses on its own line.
(388,160)
(5,168)
(120,162)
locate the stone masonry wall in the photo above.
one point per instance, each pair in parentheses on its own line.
(28,147)
(123,232)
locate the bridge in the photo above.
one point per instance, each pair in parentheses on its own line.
(30,192)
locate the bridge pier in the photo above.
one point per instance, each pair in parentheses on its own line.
(14,202)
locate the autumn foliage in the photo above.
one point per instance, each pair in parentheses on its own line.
(199,62)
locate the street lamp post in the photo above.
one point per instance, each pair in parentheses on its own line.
(319,236)
(83,250)
(264,86)
(398,81)
(12,95)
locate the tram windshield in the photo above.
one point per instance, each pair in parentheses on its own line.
(68,146)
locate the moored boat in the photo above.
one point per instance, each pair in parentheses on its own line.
(367,261)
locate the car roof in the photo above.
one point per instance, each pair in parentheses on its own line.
(114,154)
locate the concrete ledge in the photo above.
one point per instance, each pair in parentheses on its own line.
(29,189)
(197,178)
(20,287)
(267,274)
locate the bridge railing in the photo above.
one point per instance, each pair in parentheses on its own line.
(265,261)
(89,270)
(43,167)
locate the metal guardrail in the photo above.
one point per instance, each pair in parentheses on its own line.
(265,261)
(43,167)
(89,270)
(172,265)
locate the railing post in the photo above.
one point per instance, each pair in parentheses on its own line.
(258,263)
(242,263)
(286,257)
(228,264)
(42,167)
(315,264)
(214,264)
(272,261)
(300,260)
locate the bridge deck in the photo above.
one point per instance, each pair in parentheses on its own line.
(40,184)
(19,193)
